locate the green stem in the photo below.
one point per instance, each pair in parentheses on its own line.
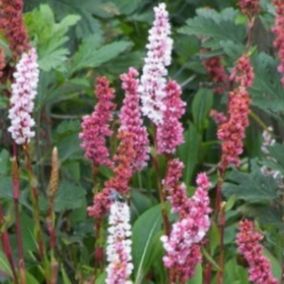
(258,120)
(35,203)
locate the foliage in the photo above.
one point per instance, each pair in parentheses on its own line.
(77,41)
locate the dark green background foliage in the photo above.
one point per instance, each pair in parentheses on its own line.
(80,40)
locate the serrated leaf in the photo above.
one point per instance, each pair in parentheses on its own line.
(267,91)
(92,56)
(49,36)
(252,187)
(216,26)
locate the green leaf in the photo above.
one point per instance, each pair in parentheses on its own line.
(252,187)
(267,91)
(4,264)
(49,36)
(197,277)
(69,196)
(65,277)
(216,26)
(275,264)
(201,105)
(4,162)
(91,54)
(188,152)
(144,230)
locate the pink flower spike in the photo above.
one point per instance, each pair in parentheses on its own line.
(123,171)
(153,81)
(278,30)
(249,8)
(24,91)
(118,249)
(182,246)
(218,73)
(131,120)
(175,191)
(248,242)
(95,127)
(243,74)
(170,131)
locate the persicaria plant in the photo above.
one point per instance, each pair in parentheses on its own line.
(141,143)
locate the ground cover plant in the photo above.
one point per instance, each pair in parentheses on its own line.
(142,142)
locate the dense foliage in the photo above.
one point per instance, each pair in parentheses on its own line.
(141,144)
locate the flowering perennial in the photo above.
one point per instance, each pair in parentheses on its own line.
(249,7)
(278,30)
(119,245)
(24,90)
(183,244)
(131,120)
(217,72)
(12,25)
(248,242)
(231,132)
(123,171)
(170,131)
(153,81)
(95,127)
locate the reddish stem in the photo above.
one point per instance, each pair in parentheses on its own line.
(16,197)
(6,245)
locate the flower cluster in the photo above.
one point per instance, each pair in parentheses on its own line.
(153,81)
(176,192)
(249,8)
(12,25)
(118,250)
(278,30)
(243,74)
(123,171)
(183,244)
(217,72)
(248,242)
(24,90)
(231,132)
(131,120)
(95,127)
(170,131)
(218,117)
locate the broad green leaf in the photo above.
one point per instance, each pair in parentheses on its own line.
(197,277)
(275,264)
(144,230)
(4,162)
(101,278)
(69,196)
(65,277)
(94,55)
(201,105)
(4,265)
(189,151)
